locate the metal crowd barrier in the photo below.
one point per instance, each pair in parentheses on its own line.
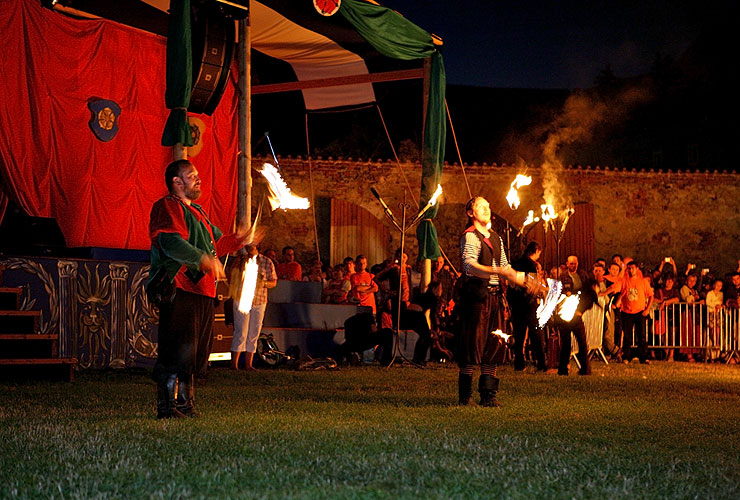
(692,327)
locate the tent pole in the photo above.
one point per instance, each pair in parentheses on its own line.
(426,270)
(244,171)
(313,198)
(179,152)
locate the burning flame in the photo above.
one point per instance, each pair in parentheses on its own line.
(249,283)
(437,193)
(548,213)
(432,201)
(280,195)
(568,306)
(513,196)
(530,219)
(499,333)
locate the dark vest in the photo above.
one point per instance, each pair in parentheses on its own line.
(488,255)
(474,288)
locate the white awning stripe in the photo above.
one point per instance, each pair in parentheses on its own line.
(312,56)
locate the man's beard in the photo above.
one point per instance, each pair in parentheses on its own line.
(193,193)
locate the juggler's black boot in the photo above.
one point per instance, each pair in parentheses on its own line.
(464,389)
(185,402)
(166,391)
(488,387)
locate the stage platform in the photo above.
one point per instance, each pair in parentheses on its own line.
(100,315)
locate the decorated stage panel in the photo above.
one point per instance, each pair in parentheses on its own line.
(98,308)
(101,313)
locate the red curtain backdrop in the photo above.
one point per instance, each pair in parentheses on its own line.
(51,163)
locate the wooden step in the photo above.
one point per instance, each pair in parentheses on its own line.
(28,336)
(22,345)
(10,298)
(63,366)
(23,322)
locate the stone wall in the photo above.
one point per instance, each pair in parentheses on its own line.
(691,216)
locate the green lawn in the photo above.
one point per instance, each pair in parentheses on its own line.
(658,431)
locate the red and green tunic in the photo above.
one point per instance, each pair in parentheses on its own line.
(181,234)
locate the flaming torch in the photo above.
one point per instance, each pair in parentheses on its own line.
(549,215)
(529,220)
(249,283)
(280,195)
(568,213)
(513,196)
(430,204)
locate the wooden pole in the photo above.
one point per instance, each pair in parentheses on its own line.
(179,152)
(244,170)
(426,270)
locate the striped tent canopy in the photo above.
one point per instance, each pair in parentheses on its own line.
(294,48)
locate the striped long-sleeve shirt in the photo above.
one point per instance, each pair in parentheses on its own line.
(470,248)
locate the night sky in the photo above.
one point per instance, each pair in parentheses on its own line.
(558,43)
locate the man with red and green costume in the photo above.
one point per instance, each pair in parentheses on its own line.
(184,252)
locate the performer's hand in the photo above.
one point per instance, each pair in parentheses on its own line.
(210,264)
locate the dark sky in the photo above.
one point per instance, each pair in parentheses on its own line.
(557,43)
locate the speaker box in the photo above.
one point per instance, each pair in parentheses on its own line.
(214,36)
(27,235)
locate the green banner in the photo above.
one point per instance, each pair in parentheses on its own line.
(179,75)
(394,36)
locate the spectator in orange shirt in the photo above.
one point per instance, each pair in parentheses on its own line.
(363,284)
(289,269)
(636,298)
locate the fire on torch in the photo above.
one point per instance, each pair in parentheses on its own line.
(280,195)
(513,196)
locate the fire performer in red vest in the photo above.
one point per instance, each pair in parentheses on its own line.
(182,282)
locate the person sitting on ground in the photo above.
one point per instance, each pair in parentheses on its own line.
(337,288)
(411,316)
(289,269)
(360,334)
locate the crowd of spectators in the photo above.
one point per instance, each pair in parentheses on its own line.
(680,309)
(430,313)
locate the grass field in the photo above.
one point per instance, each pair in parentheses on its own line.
(658,431)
